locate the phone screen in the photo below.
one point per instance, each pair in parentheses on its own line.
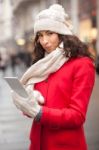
(16,86)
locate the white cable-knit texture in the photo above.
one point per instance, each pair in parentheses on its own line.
(44,67)
(54,19)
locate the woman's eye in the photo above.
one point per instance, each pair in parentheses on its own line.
(39,35)
(50,33)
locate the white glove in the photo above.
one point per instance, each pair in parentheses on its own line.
(29,106)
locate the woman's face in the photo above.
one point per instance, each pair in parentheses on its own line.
(49,40)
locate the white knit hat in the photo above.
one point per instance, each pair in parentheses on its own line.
(53,19)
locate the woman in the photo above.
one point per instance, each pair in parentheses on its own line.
(59,84)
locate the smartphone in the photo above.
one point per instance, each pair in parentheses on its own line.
(16,86)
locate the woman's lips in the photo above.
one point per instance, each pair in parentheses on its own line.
(47,47)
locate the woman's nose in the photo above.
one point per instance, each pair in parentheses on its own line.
(45,40)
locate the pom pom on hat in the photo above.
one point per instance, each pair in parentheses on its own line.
(54,19)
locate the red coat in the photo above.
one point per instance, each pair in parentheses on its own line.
(67,93)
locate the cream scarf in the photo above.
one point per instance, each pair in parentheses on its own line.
(44,67)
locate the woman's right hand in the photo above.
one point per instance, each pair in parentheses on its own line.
(29,106)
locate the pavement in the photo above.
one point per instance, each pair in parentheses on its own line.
(15,128)
(92,119)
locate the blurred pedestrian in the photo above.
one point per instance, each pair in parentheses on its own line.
(59,84)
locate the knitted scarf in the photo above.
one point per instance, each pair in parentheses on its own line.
(44,67)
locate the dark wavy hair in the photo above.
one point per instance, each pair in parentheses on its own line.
(73,47)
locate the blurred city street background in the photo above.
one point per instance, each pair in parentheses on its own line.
(16,55)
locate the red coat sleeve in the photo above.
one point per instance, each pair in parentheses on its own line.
(74,115)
